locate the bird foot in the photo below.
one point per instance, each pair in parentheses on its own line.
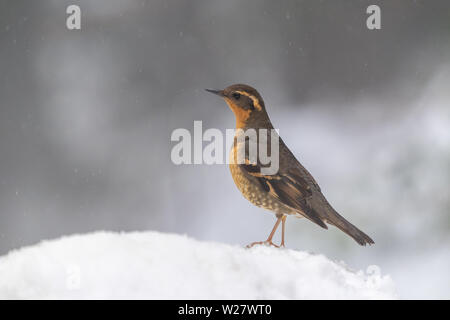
(266,243)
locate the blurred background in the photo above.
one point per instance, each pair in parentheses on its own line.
(86,118)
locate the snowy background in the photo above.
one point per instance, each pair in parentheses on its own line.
(86,118)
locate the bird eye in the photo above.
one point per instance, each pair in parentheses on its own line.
(236,95)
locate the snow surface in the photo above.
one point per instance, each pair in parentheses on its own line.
(152,265)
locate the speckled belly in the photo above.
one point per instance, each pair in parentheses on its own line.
(253,192)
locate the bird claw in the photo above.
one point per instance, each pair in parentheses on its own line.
(253,243)
(266,243)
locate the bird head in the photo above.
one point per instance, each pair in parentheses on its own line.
(246,104)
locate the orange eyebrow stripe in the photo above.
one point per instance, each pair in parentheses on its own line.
(254,99)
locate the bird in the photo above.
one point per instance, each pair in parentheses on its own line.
(292,190)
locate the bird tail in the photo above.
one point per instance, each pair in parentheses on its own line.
(341,223)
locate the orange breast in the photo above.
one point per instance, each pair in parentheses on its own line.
(240,114)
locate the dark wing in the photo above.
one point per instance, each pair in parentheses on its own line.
(289,187)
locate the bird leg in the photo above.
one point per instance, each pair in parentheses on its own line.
(269,239)
(283,222)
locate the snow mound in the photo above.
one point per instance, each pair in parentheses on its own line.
(152,265)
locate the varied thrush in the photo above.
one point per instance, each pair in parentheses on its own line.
(290,191)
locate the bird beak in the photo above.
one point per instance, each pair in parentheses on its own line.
(218,92)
